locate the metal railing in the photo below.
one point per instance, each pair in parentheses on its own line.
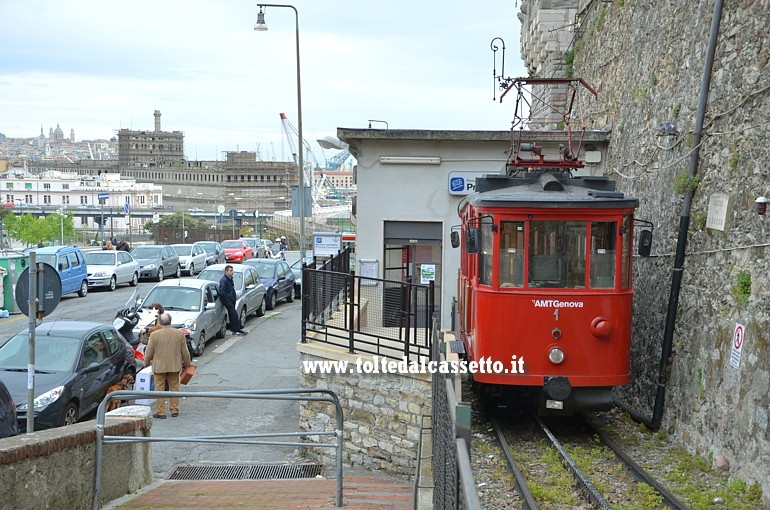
(393,319)
(278,394)
(454,485)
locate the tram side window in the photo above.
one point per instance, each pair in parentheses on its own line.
(485,254)
(603,240)
(511,254)
(557,254)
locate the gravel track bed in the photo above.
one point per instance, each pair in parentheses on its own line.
(688,476)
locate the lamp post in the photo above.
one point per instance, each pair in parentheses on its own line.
(261,26)
(60,212)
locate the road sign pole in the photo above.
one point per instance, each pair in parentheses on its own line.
(32,323)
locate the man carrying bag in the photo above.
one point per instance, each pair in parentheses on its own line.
(167,354)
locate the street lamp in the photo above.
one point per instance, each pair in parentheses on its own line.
(261,26)
(60,212)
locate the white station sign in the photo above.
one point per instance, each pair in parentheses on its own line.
(463,183)
(327,245)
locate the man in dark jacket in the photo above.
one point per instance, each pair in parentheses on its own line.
(228,297)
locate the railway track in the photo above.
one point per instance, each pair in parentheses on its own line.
(607,479)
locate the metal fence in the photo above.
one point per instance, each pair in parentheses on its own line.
(387,318)
(300,395)
(454,485)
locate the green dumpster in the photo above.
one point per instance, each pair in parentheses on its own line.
(13,263)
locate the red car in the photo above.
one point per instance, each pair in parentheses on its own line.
(236,250)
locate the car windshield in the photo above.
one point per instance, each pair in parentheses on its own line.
(184,299)
(214,275)
(146,252)
(209,247)
(53,353)
(264,269)
(103,258)
(232,244)
(47,258)
(183,249)
(251,242)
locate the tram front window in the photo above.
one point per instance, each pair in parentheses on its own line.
(511,254)
(603,240)
(557,254)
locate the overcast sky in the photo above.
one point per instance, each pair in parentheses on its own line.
(98,66)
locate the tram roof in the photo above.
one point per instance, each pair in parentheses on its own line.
(549,190)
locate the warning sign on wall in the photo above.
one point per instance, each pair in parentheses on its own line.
(738,336)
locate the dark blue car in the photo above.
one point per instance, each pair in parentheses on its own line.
(278,279)
(75,363)
(8,424)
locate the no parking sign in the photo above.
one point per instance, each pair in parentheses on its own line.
(738,335)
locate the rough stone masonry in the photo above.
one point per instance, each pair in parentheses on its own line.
(646,59)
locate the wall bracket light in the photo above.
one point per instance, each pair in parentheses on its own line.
(410,160)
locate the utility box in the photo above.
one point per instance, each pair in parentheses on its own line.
(13,263)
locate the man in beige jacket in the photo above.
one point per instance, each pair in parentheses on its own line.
(167,353)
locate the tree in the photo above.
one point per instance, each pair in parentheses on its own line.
(27,228)
(175,221)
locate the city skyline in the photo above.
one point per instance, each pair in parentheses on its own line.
(98,68)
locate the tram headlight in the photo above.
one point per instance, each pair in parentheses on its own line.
(556,355)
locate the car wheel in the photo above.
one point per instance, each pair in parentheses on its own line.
(70,415)
(271,301)
(201,344)
(113,283)
(290,297)
(223,330)
(242,317)
(261,309)
(192,269)
(160,274)
(178,272)
(83,288)
(134,280)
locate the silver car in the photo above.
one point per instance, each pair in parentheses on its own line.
(249,290)
(192,257)
(108,268)
(156,261)
(194,306)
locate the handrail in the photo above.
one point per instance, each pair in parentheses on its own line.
(278,394)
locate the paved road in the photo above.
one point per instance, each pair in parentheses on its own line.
(264,359)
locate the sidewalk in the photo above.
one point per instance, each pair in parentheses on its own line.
(360,492)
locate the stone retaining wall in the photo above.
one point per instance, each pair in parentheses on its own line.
(646,59)
(56,468)
(382,413)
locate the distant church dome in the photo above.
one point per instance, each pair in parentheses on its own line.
(58,135)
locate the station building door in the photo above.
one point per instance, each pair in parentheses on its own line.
(413,252)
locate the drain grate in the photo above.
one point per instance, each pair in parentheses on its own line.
(246,472)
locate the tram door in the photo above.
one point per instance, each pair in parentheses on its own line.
(412,255)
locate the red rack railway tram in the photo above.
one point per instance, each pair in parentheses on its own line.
(544,289)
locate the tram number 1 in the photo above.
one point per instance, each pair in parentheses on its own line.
(556,314)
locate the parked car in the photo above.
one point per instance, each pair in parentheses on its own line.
(296,268)
(194,306)
(236,250)
(257,247)
(191,257)
(156,261)
(109,268)
(9,426)
(268,244)
(75,363)
(71,266)
(249,290)
(215,254)
(277,278)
